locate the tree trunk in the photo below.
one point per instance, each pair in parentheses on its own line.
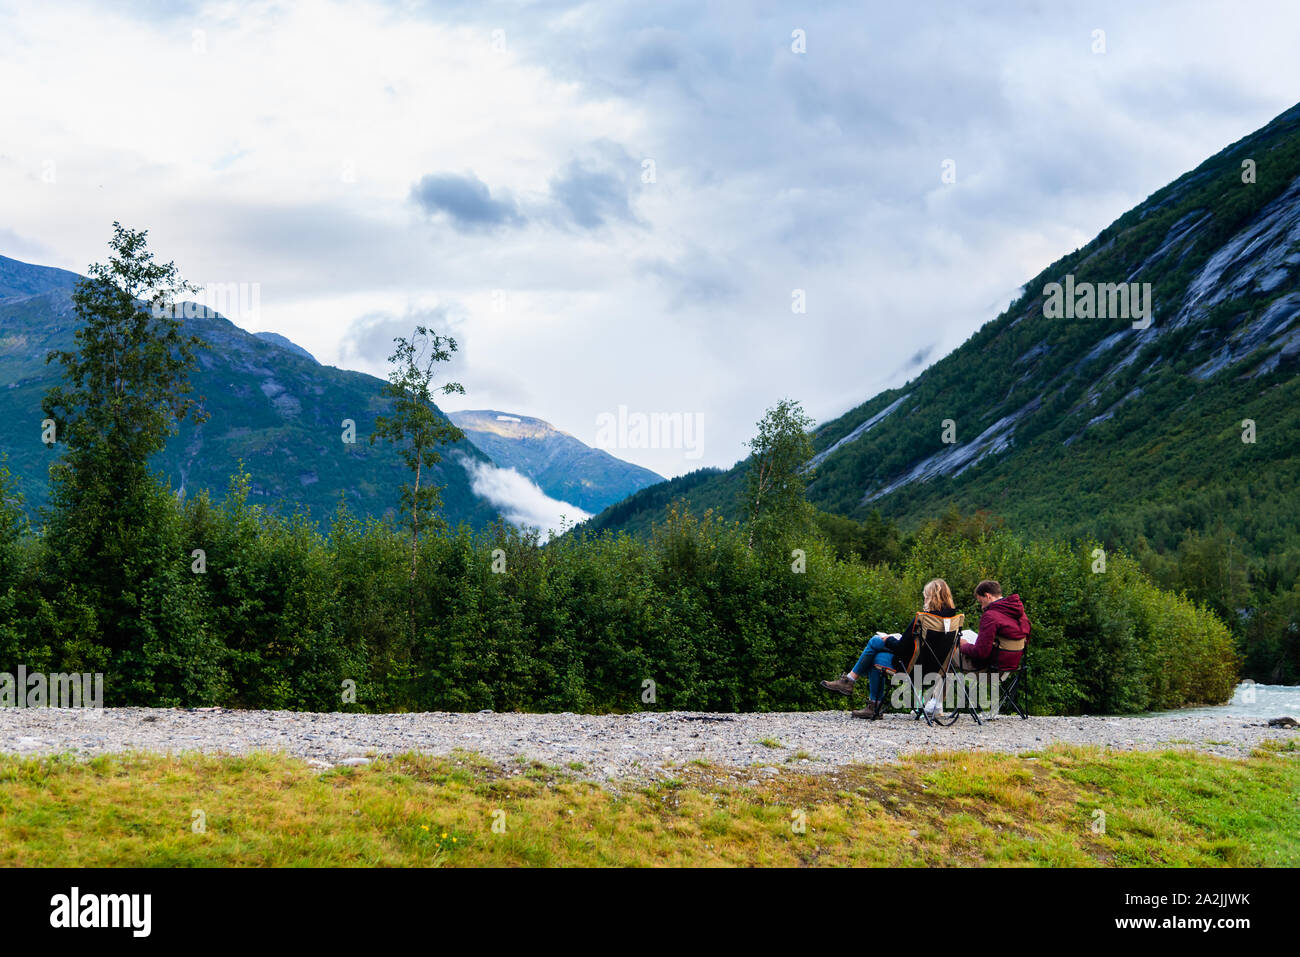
(415,545)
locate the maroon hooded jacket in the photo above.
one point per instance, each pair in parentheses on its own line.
(1005,618)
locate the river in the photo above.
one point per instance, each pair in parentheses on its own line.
(1250,700)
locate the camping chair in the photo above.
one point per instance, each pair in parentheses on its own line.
(935,641)
(1010,684)
(936,646)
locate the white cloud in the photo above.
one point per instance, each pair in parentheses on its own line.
(520,500)
(285,154)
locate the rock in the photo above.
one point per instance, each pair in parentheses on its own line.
(487,711)
(612,747)
(1286,721)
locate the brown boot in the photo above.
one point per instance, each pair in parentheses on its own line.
(871,712)
(843,684)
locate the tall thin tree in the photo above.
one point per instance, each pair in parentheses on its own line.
(775,482)
(125,386)
(418,430)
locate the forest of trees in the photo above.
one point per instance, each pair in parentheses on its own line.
(192,601)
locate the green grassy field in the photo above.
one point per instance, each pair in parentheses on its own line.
(1176,808)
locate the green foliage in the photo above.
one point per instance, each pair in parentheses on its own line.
(415,426)
(126,382)
(13,524)
(1102,641)
(872,540)
(775,480)
(693,618)
(418,430)
(112,585)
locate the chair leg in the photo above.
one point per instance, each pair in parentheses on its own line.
(937,696)
(1015,700)
(1012,696)
(966,705)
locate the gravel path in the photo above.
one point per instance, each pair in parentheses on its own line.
(608,746)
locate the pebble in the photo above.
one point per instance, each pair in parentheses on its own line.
(610,747)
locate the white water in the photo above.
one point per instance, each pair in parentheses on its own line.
(1250,700)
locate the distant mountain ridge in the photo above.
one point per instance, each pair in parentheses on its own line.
(561,465)
(18,280)
(271,405)
(282,342)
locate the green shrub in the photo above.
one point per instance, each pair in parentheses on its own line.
(283,615)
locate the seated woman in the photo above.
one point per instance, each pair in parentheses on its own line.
(885,652)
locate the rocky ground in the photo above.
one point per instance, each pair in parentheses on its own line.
(607,747)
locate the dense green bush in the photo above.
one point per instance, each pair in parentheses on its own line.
(694,618)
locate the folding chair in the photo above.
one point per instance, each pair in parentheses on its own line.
(935,642)
(1009,684)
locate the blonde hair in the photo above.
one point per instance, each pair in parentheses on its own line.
(937,595)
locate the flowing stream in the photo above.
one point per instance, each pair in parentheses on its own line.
(1250,700)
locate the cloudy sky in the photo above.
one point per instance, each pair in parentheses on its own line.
(613,204)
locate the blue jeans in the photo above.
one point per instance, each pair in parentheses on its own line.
(874,654)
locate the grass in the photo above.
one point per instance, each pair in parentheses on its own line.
(1175,808)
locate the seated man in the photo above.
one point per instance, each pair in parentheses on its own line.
(1004,631)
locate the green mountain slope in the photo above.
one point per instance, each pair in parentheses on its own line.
(563,467)
(270,404)
(1089,425)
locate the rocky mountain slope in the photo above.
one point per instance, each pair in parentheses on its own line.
(1069,416)
(270,405)
(563,467)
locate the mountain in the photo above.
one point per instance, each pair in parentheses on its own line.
(19,280)
(276,339)
(563,467)
(1135,432)
(270,404)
